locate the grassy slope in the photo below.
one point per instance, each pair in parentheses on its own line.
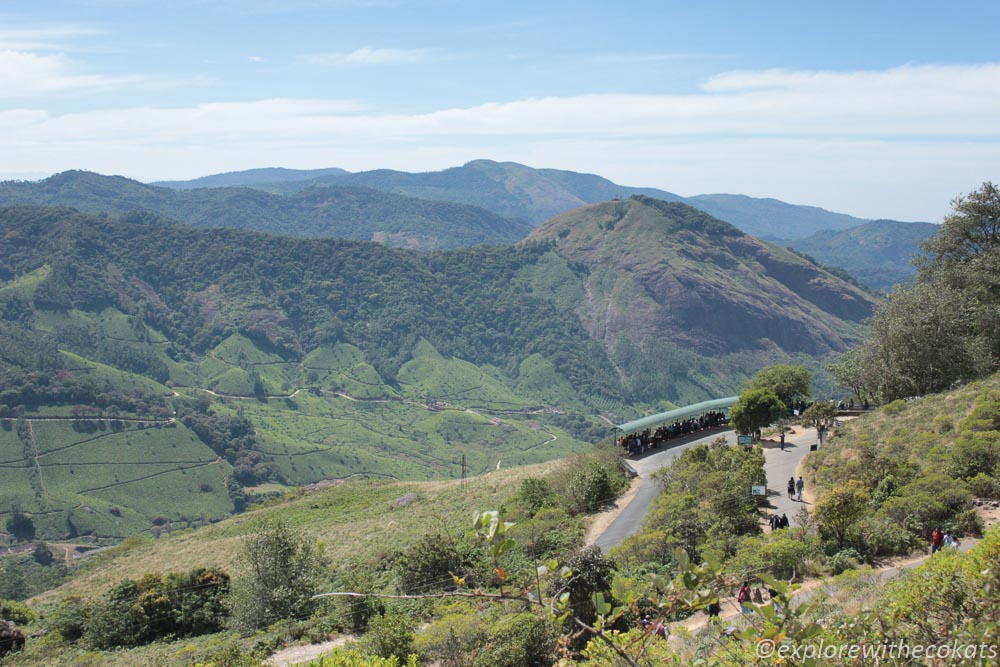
(921,432)
(355,520)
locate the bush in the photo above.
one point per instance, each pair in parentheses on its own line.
(519,640)
(18,612)
(879,536)
(133,613)
(894,408)
(454,639)
(781,554)
(389,636)
(68,618)
(534,493)
(593,487)
(927,503)
(984,486)
(845,559)
(279,568)
(429,564)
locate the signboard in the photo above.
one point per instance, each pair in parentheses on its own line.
(744,439)
(758,490)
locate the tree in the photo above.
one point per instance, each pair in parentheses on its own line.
(20,525)
(840,508)
(278,574)
(849,372)
(922,340)
(755,409)
(820,416)
(789,383)
(946,327)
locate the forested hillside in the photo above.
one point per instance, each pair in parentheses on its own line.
(282,360)
(685,304)
(879,254)
(340,212)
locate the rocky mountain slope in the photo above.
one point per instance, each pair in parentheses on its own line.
(666,285)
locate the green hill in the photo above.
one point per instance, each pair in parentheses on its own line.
(342,212)
(299,360)
(674,293)
(879,253)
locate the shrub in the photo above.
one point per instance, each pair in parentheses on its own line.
(984,486)
(455,639)
(975,452)
(845,559)
(68,618)
(429,564)
(894,408)
(279,567)
(593,487)
(133,613)
(534,493)
(879,536)
(781,554)
(390,635)
(18,612)
(519,640)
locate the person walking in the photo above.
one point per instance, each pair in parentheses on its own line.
(743,597)
(791,488)
(937,540)
(781,439)
(784,520)
(799,485)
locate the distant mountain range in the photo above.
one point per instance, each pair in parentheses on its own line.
(535,195)
(480,202)
(879,253)
(341,212)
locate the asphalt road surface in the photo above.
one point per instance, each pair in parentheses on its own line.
(779,466)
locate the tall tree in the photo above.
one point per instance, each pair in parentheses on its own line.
(789,383)
(755,409)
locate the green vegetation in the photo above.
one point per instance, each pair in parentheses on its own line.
(342,212)
(915,465)
(287,361)
(755,409)
(879,254)
(943,329)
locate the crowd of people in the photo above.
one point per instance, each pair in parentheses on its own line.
(638,443)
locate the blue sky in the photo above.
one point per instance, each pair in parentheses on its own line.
(877,109)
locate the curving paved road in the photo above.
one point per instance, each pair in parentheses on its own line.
(629,521)
(779,466)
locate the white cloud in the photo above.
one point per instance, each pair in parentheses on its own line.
(24,74)
(255,59)
(896,143)
(372,56)
(57,37)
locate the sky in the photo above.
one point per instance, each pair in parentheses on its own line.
(877,109)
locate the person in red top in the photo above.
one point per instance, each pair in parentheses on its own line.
(937,539)
(743,597)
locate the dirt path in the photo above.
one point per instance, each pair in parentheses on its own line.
(295,655)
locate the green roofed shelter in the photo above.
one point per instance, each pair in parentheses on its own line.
(718,404)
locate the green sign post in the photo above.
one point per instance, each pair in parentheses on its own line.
(744,439)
